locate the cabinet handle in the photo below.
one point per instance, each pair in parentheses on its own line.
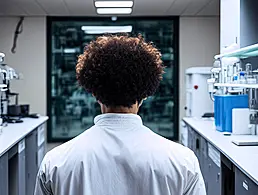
(218,176)
(197,144)
(36,157)
(245,185)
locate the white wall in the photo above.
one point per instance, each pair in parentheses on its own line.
(199,41)
(29,59)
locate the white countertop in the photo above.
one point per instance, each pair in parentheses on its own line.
(13,133)
(243,157)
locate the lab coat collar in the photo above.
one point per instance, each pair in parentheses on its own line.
(118,119)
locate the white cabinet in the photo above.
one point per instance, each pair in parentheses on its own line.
(249,27)
(229,23)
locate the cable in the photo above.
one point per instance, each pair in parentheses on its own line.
(211,97)
(18,30)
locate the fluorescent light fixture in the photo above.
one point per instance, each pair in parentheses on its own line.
(114,10)
(114,18)
(94,28)
(113,4)
(106,29)
(69,50)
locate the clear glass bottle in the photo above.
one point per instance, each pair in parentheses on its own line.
(248,70)
(242,78)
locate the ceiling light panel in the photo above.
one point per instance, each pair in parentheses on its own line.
(113,4)
(114,10)
(106,29)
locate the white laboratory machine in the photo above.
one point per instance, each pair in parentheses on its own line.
(198,101)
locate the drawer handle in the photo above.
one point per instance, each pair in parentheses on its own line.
(197,144)
(218,176)
(245,185)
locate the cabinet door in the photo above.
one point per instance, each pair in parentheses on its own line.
(204,159)
(190,137)
(4,174)
(244,185)
(22,167)
(31,161)
(229,23)
(197,145)
(41,143)
(213,178)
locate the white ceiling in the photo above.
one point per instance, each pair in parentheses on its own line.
(86,7)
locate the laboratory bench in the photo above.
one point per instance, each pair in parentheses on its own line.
(227,169)
(22,148)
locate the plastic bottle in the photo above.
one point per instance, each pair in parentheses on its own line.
(241,77)
(235,79)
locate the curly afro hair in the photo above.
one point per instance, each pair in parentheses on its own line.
(120,70)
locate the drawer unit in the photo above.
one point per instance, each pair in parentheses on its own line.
(244,185)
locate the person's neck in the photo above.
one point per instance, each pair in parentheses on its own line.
(120,109)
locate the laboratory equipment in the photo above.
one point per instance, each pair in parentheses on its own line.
(240,121)
(223,106)
(248,70)
(7,75)
(2,72)
(239,82)
(2,55)
(198,102)
(253,106)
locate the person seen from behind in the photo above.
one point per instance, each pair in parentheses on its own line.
(118,155)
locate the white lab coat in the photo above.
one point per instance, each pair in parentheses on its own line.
(120,156)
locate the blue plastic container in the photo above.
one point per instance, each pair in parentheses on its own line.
(223,106)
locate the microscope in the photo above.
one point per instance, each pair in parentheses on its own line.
(8,113)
